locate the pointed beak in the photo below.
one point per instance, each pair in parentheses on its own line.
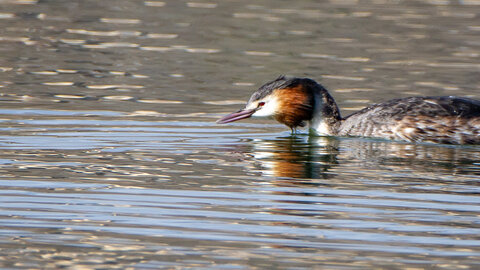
(242,114)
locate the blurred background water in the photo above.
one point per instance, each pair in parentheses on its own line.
(110,156)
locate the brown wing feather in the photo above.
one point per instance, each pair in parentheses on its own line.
(432,119)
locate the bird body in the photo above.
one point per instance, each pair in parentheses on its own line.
(447,119)
(297,101)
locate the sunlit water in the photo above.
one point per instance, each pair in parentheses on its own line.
(110,156)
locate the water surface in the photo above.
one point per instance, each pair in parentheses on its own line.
(110,156)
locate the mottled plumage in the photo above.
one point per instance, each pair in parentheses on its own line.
(294,101)
(447,119)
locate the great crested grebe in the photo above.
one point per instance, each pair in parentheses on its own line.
(294,101)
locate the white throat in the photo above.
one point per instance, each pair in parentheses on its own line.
(318,125)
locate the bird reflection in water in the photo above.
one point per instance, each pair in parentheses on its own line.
(301,160)
(297,157)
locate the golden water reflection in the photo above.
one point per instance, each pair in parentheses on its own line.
(318,157)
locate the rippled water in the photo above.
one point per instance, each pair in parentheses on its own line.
(110,156)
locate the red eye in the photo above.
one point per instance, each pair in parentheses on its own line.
(260,104)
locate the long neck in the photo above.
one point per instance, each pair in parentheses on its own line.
(326,117)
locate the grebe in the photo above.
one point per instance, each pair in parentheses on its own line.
(294,101)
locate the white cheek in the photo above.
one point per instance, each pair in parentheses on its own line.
(267,110)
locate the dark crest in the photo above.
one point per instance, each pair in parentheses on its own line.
(281,83)
(278,83)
